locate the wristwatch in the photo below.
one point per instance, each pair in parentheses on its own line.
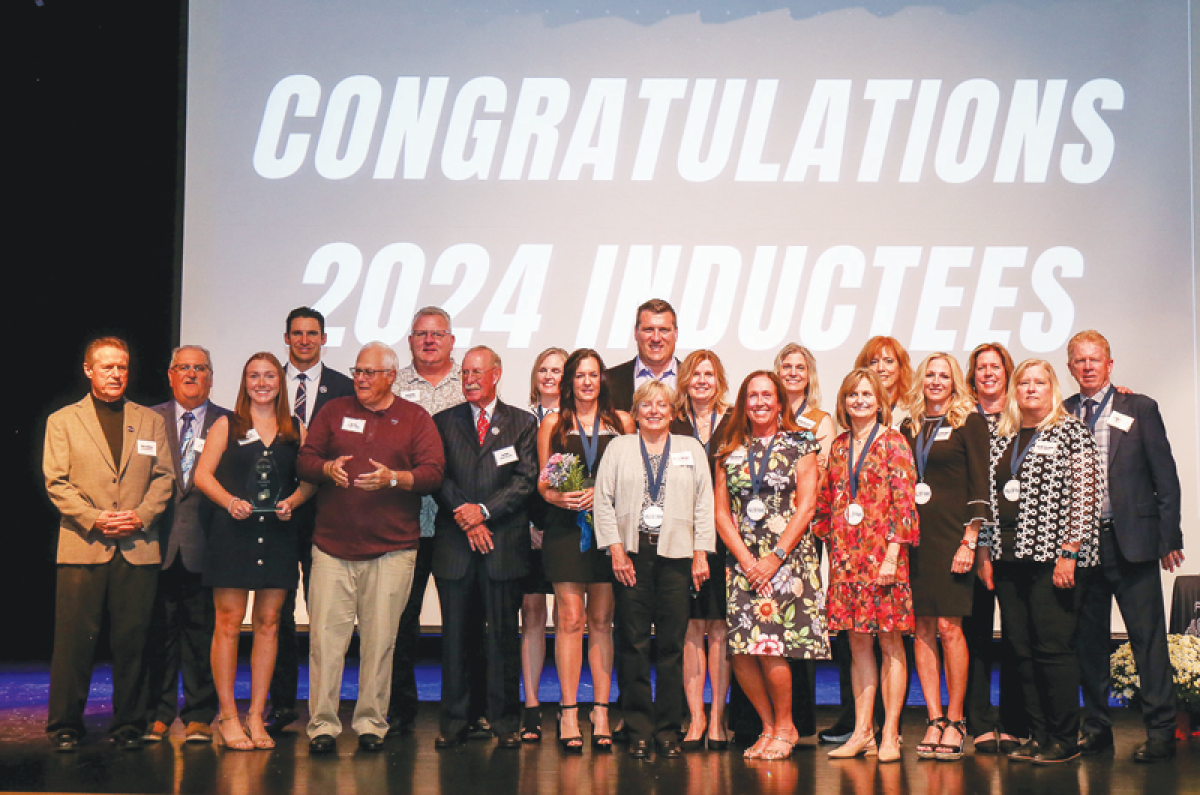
(1068,554)
(486,513)
(394,480)
(968,544)
(779,553)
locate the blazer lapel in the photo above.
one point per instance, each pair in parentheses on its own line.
(173,440)
(133,424)
(87,416)
(1115,434)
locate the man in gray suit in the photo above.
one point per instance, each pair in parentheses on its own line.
(482,543)
(181,627)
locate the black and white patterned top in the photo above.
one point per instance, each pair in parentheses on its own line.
(1061,482)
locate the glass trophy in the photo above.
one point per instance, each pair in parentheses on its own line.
(266,484)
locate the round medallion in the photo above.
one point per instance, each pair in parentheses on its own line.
(652,516)
(854,513)
(1012,490)
(923,493)
(756,509)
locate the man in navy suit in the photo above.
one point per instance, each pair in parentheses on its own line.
(1139,531)
(181,626)
(482,541)
(310,386)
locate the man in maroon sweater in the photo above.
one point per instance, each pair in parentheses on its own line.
(373,456)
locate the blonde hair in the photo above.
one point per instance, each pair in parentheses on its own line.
(683,401)
(812,393)
(988,347)
(962,403)
(535,396)
(649,391)
(1092,336)
(1010,420)
(884,412)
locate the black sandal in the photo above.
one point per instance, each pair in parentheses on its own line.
(531,725)
(929,750)
(601,742)
(569,745)
(946,752)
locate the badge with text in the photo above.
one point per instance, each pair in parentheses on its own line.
(943,435)
(683,459)
(250,438)
(1012,490)
(353,424)
(756,509)
(411,395)
(147,447)
(923,493)
(736,458)
(652,516)
(805,423)
(1045,447)
(1122,422)
(854,514)
(198,444)
(504,456)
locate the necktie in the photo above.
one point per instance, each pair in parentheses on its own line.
(187,448)
(1089,410)
(300,409)
(482,426)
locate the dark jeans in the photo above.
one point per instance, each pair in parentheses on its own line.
(1138,591)
(82,594)
(1039,624)
(980,715)
(661,598)
(180,641)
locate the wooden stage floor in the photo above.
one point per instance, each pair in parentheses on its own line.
(411,765)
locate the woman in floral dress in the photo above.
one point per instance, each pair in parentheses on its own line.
(867,510)
(765,494)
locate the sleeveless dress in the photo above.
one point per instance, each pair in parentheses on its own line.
(791,621)
(708,604)
(561,558)
(259,551)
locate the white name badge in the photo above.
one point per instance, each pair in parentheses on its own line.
(943,434)
(147,447)
(353,425)
(1012,490)
(923,493)
(854,513)
(198,445)
(736,458)
(683,459)
(805,423)
(1045,448)
(756,509)
(251,437)
(1122,422)
(411,395)
(652,516)
(506,456)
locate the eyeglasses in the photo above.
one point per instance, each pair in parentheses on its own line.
(437,335)
(198,369)
(477,374)
(368,374)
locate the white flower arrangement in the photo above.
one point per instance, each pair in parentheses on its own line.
(1185,663)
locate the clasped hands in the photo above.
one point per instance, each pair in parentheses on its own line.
(470,518)
(118,524)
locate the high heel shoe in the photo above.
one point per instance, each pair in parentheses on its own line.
(601,742)
(691,746)
(531,725)
(779,753)
(754,752)
(928,750)
(569,745)
(261,739)
(855,747)
(242,743)
(948,752)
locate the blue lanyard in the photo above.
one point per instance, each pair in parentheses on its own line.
(856,469)
(712,429)
(1091,424)
(1017,459)
(591,444)
(654,482)
(801,410)
(923,449)
(757,474)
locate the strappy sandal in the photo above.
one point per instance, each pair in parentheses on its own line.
(531,724)
(928,750)
(601,742)
(773,754)
(750,753)
(569,745)
(946,752)
(242,743)
(262,742)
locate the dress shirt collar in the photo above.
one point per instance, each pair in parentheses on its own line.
(489,408)
(642,370)
(197,415)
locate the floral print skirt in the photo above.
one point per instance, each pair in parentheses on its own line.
(867,607)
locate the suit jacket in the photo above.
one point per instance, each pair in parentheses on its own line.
(185,521)
(332,385)
(1143,486)
(620,384)
(474,476)
(82,480)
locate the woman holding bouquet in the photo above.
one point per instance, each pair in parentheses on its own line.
(765,495)
(582,576)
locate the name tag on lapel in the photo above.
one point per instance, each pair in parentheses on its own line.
(505,455)
(353,425)
(411,395)
(1045,448)
(943,434)
(736,458)
(805,423)
(147,447)
(198,444)
(683,459)
(1122,422)
(251,436)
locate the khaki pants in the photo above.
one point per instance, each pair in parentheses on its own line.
(374,592)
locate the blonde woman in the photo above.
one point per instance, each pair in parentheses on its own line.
(797,368)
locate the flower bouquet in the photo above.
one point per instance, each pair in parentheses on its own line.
(1185,664)
(564,473)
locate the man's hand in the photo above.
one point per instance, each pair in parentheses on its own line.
(336,471)
(468,515)
(118,524)
(1172,560)
(481,539)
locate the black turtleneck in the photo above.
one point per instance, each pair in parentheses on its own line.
(112,421)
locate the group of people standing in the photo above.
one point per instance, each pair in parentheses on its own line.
(650,506)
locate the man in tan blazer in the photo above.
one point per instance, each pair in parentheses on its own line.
(108,472)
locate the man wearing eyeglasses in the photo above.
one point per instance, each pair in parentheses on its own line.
(181,626)
(310,384)
(372,456)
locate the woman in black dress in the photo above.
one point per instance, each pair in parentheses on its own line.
(701,411)
(248,468)
(582,574)
(949,439)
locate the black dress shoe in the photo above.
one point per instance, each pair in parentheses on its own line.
(639,749)
(1154,751)
(1056,753)
(65,740)
(1008,746)
(622,735)
(322,744)
(279,719)
(510,741)
(370,742)
(127,739)
(1024,752)
(447,741)
(397,727)
(691,746)
(1092,743)
(479,730)
(836,734)
(669,749)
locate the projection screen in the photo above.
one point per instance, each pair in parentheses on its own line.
(816,172)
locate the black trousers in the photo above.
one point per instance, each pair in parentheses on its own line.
(1040,623)
(660,598)
(83,593)
(1138,591)
(287,656)
(501,643)
(981,716)
(180,641)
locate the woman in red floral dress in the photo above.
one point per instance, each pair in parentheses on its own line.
(866,508)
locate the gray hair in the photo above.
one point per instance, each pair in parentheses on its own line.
(481,348)
(390,360)
(175,354)
(431,311)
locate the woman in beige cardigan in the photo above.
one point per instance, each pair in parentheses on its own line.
(654,513)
